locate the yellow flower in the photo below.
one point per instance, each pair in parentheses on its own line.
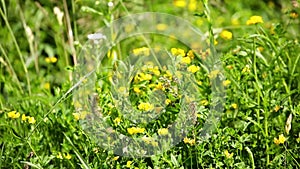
(226,35)
(51,59)
(24,118)
(177,52)
(294,15)
(168,74)
(128,164)
(145,76)
(160,86)
(141,51)
(136,90)
(145,106)
(246,69)
(135,130)
(276,109)
(163,131)
(213,74)
(254,20)
(13,114)
(59,156)
(116,158)
(161,27)
(227,154)
(215,42)
(189,141)
(281,139)
(122,89)
(186,60)
(204,102)
(67,156)
(226,83)
(179,3)
(234,105)
(47,86)
(191,54)
(192,5)
(31,120)
(117,120)
(167,101)
(193,68)
(76,116)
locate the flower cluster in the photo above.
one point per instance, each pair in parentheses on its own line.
(15,115)
(189,141)
(141,51)
(254,20)
(51,59)
(280,140)
(135,130)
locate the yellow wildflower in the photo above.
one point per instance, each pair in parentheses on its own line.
(168,74)
(59,156)
(117,120)
(163,131)
(179,3)
(227,154)
(128,164)
(67,156)
(213,74)
(281,139)
(31,120)
(276,109)
(76,116)
(246,69)
(294,15)
(234,105)
(13,114)
(136,90)
(47,86)
(24,118)
(51,59)
(159,86)
(116,158)
(191,54)
(141,51)
(177,52)
(204,102)
(135,130)
(145,76)
(192,5)
(189,141)
(122,89)
(226,35)
(254,20)
(226,82)
(161,27)
(193,68)
(145,106)
(167,101)
(186,60)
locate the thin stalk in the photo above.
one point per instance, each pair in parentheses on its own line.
(18,50)
(70,35)
(260,95)
(11,69)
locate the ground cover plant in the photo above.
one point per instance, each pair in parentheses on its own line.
(45,124)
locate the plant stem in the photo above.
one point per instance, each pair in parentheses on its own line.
(18,50)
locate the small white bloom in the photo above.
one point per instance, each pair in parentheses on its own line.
(96,36)
(110,4)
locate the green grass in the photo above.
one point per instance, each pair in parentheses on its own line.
(40,59)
